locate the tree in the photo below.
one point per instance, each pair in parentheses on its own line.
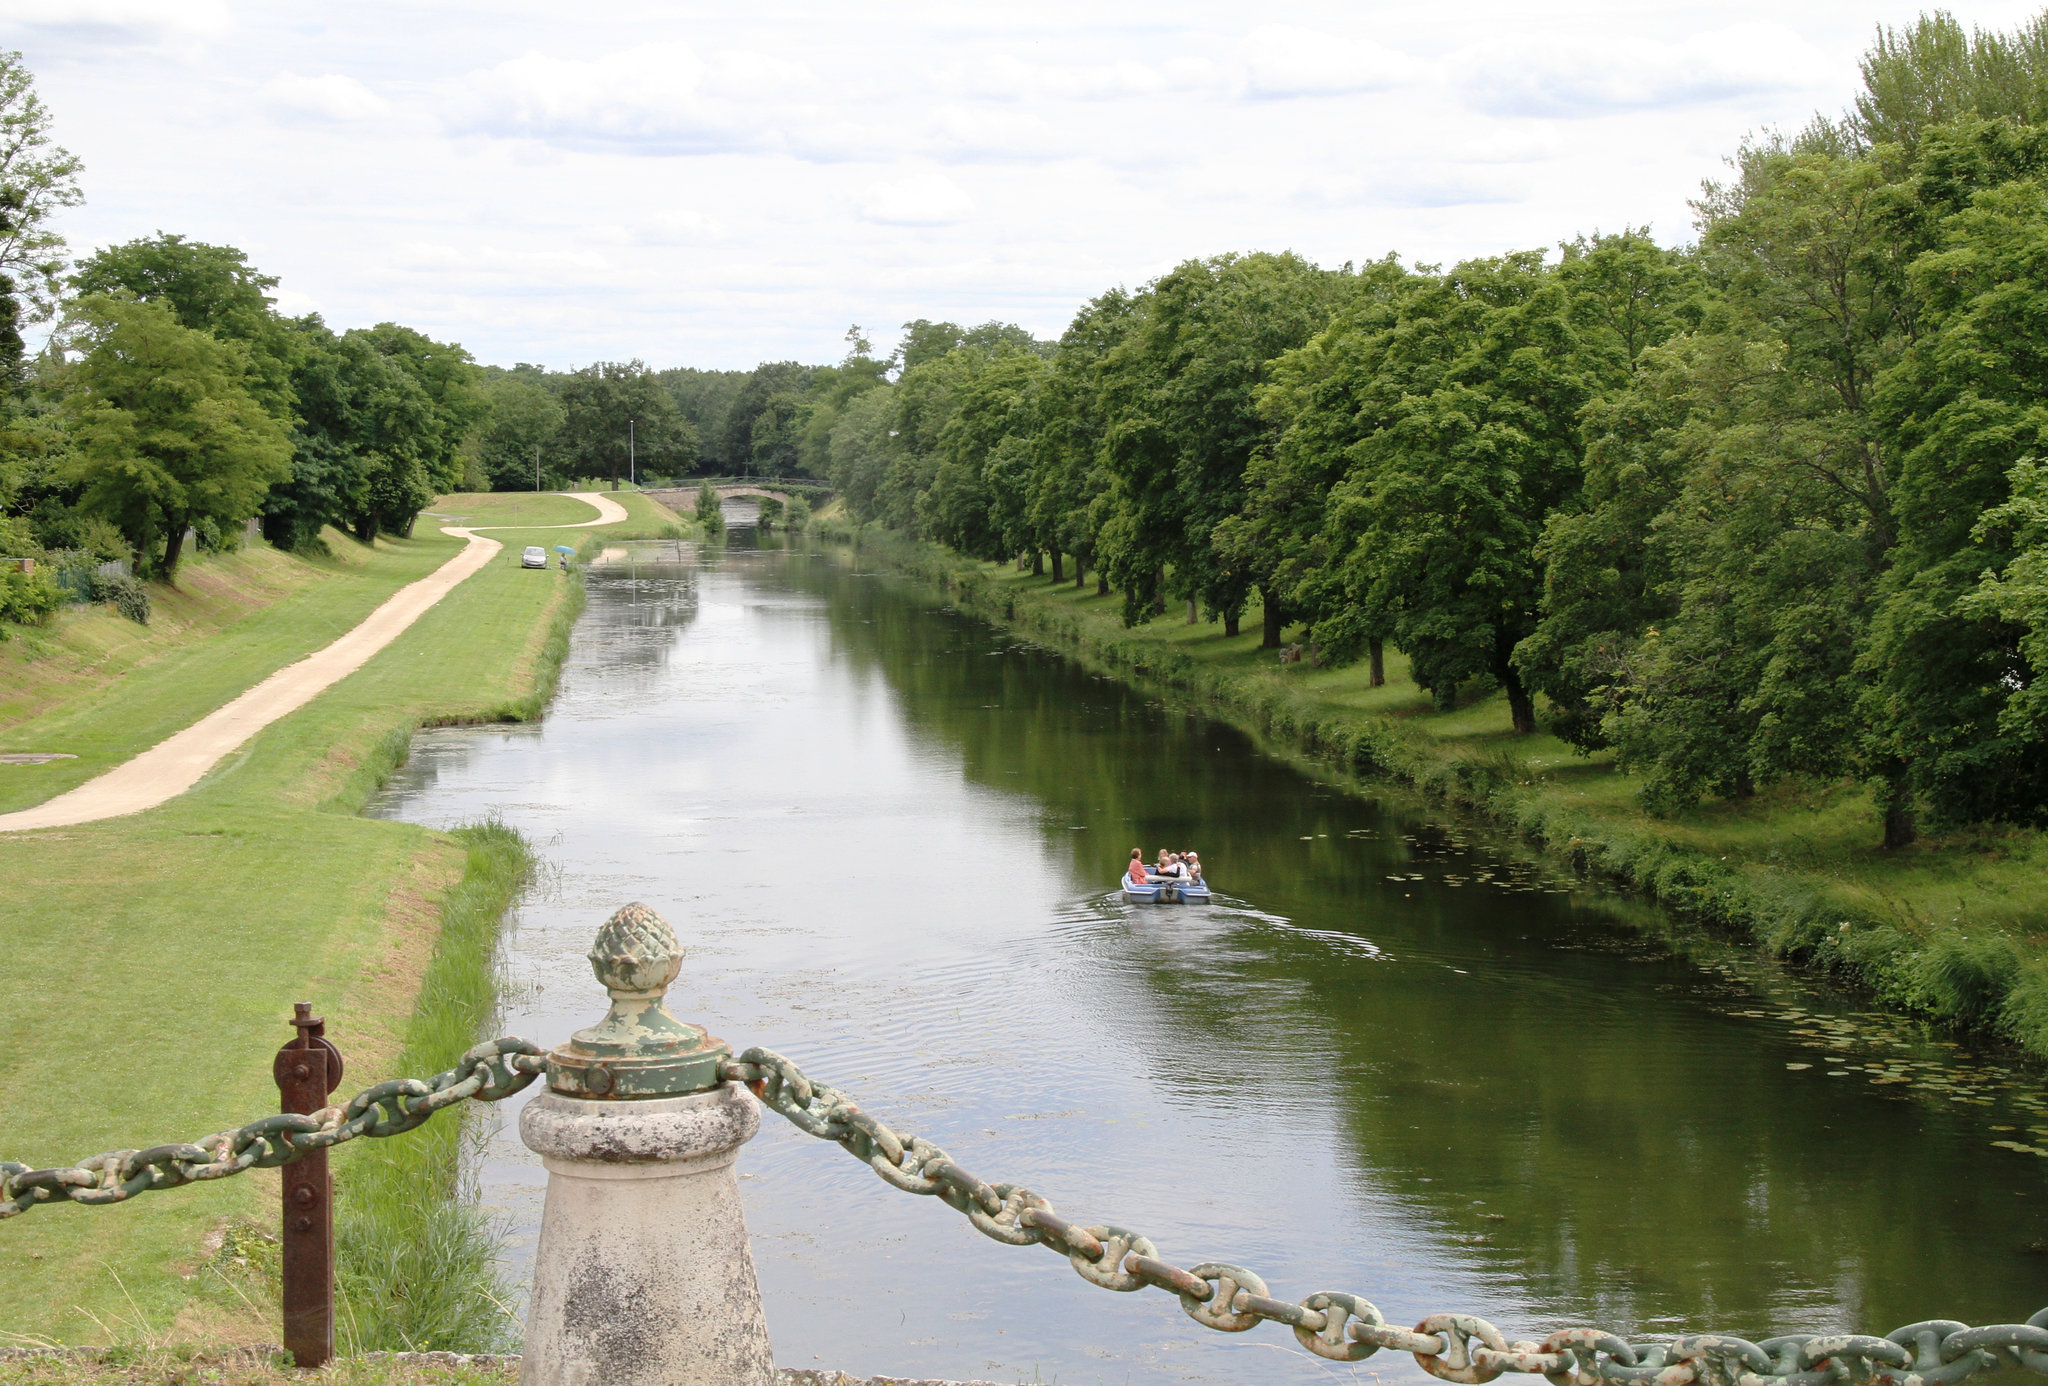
(453,386)
(710,514)
(364,434)
(1069,487)
(1473,442)
(166,431)
(1180,395)
(979,498)
(615,412)
(525,416)
(1276,541)
(1604,581)
(2017,599)
(1931,73)
(769,381)
(1966,408)
(211,288)
(1741,605)
(861,447)
(705,397)
(37,180)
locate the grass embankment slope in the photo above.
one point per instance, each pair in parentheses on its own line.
(154,958)
(1951,928)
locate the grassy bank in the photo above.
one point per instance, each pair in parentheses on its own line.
(414,1258)
(164,950)
(99,687)
(1951,929)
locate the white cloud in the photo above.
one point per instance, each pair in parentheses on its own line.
(1591,75)
(333,97)
(123,23)
(1282,60)
(925,199)
(678,227)
(658,98)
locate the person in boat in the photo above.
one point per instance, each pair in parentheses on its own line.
(1136,875)
(1169,866)
(1193,865)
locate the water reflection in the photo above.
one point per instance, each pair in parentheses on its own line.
(1403,1060)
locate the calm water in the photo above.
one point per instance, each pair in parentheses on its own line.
(1402,1059)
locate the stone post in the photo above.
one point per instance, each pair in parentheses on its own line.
(643,1276)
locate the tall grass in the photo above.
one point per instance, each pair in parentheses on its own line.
(415,1259)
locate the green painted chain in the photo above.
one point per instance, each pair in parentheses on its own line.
(1347,1328)
(487,1073)
(1341,1327)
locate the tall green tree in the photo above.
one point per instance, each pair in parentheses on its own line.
(1604,583)
(615,412)
(1312,401)
(1180,394)
(1965,406)
(211,288)
(38,179)
(525,416)
(453,386)
(1474,399)
(166,431)
(1069,488)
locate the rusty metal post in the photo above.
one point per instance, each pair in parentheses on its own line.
(307,1069)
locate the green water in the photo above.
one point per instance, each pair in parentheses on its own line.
(1400,1057)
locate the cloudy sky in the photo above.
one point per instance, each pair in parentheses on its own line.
(718,184)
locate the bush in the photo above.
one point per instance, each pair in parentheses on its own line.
(28,598)
(797,515)
(130,597)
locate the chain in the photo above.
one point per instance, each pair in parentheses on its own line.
(488,1073)
(1348,1328)
(1340,1327)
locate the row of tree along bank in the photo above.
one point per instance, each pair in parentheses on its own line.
(1759,509)
(173,403)
(1944,931)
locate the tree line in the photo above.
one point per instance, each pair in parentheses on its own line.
(1770,504)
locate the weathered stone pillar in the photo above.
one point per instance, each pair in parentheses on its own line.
(643,1276)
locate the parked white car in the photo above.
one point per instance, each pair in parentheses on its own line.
(534,557)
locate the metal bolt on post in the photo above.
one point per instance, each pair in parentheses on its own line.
(642,1276)
(307,1069)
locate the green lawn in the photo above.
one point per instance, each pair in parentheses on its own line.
(155,958)
(1951,928)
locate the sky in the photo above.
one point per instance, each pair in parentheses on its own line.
(717,185)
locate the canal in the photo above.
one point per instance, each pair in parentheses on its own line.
(1400,1056)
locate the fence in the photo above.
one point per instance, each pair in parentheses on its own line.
(639,1129)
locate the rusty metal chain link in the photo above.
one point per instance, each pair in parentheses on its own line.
(1348,1328)
(490,1072)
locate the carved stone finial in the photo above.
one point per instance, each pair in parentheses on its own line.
(638,1049)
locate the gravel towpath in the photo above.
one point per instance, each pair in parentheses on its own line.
(176,763)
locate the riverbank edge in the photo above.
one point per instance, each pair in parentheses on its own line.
(415,1260)
(416,1263)
(1979,981)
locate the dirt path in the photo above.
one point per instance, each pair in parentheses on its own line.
(176,763)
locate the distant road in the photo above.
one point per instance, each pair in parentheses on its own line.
(176,763)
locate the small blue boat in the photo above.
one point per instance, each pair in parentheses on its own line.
(1165,890)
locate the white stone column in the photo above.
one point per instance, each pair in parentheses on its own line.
(643,1276)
